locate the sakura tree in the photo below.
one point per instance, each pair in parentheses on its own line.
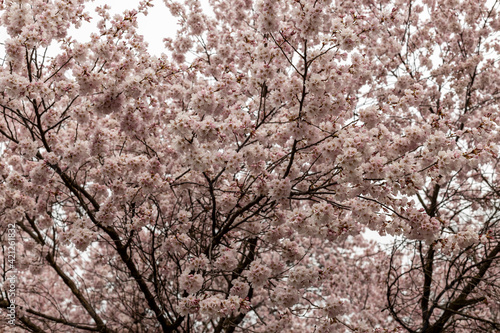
(225,186)
(448,282)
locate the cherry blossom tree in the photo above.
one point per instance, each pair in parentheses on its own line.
(447,283)
(225,186)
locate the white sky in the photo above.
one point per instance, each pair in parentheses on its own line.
(156,26)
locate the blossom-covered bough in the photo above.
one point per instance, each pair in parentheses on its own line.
(447,281)
(225,187)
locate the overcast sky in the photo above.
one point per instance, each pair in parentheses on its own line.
(156,26)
